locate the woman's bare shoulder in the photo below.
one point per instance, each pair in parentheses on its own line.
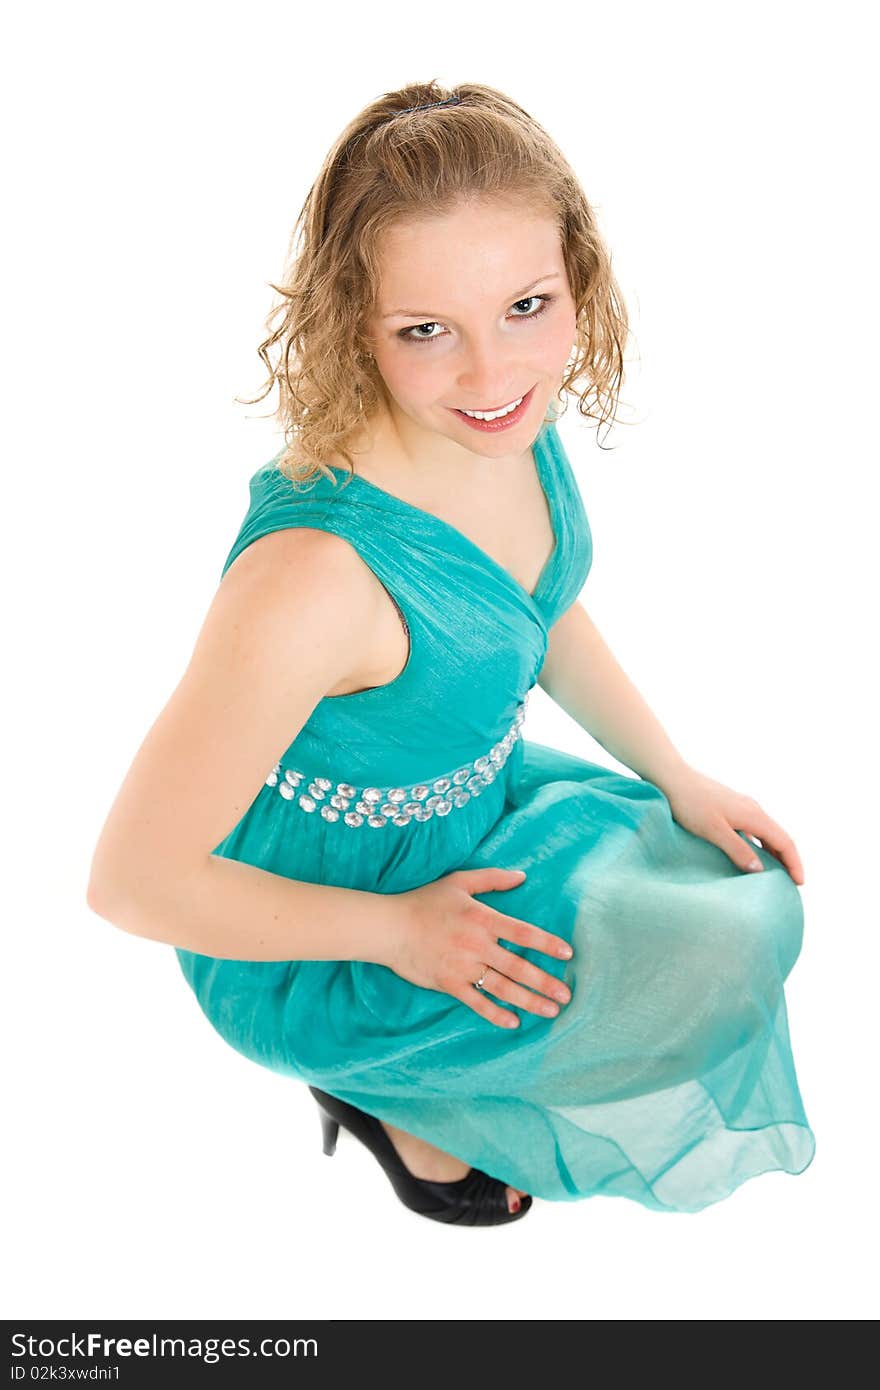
(294,547)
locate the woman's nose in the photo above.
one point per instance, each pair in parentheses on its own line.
(485,386)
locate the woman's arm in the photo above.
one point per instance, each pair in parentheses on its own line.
(236,911)
(583,677)
(293,615)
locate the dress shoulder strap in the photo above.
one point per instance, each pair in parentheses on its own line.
(322,504)
(276,505)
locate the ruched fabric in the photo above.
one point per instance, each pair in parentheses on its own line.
(669,1078)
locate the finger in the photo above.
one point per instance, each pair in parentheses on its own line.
(768,848)
(789,858)
(504,988)
(526,934)
(774,839)
(742,851)
(524,973)
(482,1005)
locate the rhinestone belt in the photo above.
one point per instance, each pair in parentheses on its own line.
(376,806)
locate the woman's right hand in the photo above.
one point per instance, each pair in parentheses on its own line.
(445,939)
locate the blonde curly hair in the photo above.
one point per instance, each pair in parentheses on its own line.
(387,163)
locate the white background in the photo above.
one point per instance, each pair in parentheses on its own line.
(156,158)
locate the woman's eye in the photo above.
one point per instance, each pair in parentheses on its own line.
(529,298)
(415,335)
(412,335)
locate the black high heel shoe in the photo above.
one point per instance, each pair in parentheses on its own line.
(474,1200)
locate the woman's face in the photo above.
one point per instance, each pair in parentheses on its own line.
(474,311)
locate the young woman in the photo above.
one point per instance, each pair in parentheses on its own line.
(510,972)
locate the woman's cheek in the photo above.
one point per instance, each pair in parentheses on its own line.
(562,340)
(402,375)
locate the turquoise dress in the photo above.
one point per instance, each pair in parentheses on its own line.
(669,1077)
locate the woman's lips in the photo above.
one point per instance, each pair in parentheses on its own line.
(504,422)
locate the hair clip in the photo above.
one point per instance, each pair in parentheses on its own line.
(426,106)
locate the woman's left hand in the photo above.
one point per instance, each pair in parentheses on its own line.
(715,812)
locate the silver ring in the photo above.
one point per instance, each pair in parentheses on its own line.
(478,984)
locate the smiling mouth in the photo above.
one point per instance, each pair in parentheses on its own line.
(496,410)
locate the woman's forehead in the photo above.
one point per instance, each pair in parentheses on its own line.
(443,255)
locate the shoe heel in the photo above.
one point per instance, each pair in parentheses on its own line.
(329,1132)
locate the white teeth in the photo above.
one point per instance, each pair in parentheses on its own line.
(493,414)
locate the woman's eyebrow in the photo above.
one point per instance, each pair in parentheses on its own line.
(427,313)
